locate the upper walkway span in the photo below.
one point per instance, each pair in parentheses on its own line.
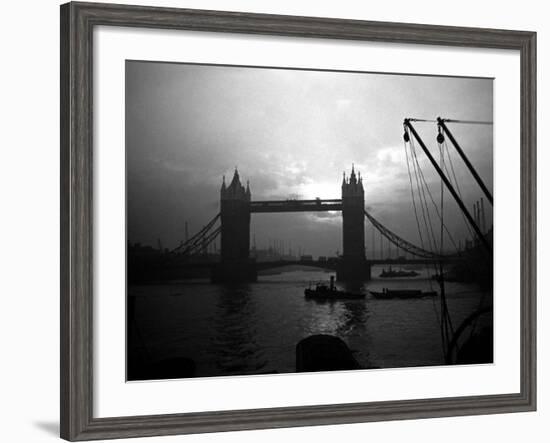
(295,205)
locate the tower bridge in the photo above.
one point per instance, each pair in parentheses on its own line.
(236,207)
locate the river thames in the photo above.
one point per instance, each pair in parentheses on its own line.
(254,328)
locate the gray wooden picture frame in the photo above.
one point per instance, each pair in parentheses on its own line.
(77,23)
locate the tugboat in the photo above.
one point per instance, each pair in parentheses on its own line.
(402,293)
(330,292)
(401,273)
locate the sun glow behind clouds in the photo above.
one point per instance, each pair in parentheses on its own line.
(322,190)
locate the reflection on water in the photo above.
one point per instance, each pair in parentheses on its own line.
(254,328)
(234,341)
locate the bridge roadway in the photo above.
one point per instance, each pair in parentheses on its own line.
(333,264)
(330,264)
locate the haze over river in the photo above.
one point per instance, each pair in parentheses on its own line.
(254,328)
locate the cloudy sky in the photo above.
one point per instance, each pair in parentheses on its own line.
(291,133)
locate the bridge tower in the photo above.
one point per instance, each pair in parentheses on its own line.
(353,265)
(235,233)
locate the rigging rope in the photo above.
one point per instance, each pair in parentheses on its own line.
(448,335)
(412,195)
(436,313)
(422,184)
(451,238)
(447,325)
(472,234)
(468,122)
(449,120)
(423,199)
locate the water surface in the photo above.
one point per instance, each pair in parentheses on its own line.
(254,328)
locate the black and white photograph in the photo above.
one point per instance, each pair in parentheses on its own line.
(291,220)
(228,221)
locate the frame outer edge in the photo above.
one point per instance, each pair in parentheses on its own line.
(76,224)
(66,401)
(77,22)
(299,26)
(529,217)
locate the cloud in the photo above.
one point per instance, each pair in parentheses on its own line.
(291,134)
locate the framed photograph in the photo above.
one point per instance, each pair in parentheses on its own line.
(273,221)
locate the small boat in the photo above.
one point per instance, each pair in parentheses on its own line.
(323,291)
(402,293)
(400,273)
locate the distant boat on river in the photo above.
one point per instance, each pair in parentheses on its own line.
(400,273)
(402,293)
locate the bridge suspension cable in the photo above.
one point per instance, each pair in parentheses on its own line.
(400,242)
(204,243)
(198,240)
